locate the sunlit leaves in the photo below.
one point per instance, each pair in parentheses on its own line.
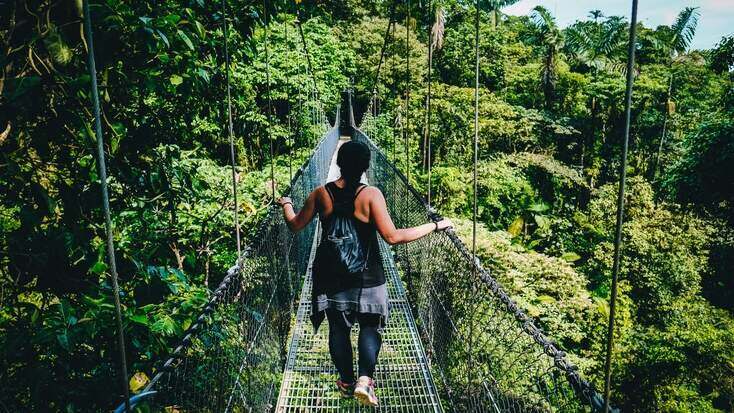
(176,80)
(138,381)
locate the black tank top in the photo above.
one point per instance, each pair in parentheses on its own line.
(374,274)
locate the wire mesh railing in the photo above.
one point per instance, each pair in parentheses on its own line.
(486,354)
(231,358)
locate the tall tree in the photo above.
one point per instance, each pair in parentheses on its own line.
(598,46)
(550,38)
(494,7)
(676,41)
(722,56)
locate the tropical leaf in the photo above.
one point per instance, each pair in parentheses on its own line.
(186,39)
(684,29)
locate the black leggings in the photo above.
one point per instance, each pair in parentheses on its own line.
(340,346)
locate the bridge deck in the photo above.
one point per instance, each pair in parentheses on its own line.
(403,378)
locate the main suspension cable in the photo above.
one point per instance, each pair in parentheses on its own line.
(230,129)
(102,167)
(620,203)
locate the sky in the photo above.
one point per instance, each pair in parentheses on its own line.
(715,21)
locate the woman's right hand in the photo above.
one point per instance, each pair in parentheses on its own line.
(444,224)
(284,201)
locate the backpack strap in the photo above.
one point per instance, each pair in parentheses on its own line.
(329,191)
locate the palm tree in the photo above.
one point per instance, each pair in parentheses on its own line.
(550,37)
(494,7)
(599,46)
(676,41)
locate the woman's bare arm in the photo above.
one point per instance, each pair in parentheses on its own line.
(297,222)
(386,228)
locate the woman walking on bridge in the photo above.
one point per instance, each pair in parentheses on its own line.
(348,277)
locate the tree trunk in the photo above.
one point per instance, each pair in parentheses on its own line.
(590,140)
(662,134)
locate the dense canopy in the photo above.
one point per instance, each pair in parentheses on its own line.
(551,125)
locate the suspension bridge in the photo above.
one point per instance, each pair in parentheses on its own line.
(455,340)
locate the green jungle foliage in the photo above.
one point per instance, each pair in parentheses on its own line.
(551,121)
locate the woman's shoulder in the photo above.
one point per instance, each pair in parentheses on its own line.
(319,190)
(371,192)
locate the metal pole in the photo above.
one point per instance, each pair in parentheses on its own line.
(620,205)
(106,200)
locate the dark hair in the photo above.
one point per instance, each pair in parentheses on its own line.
(353,159)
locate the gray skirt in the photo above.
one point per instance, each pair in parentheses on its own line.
(372,300)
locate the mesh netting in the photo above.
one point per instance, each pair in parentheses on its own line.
(456,341)
(485,353)
(231,359)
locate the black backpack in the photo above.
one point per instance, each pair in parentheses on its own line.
(342,252)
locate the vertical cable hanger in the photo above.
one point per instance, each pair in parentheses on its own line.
(406,127)
(427,131)
(288,107)
(269,109)
(315,111)
(101,166)
(230,129)
(475,143)
(385,43)
(475,158)
(299,85)
(620,204)
(395,94)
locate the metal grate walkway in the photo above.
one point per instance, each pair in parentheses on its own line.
(403,377)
